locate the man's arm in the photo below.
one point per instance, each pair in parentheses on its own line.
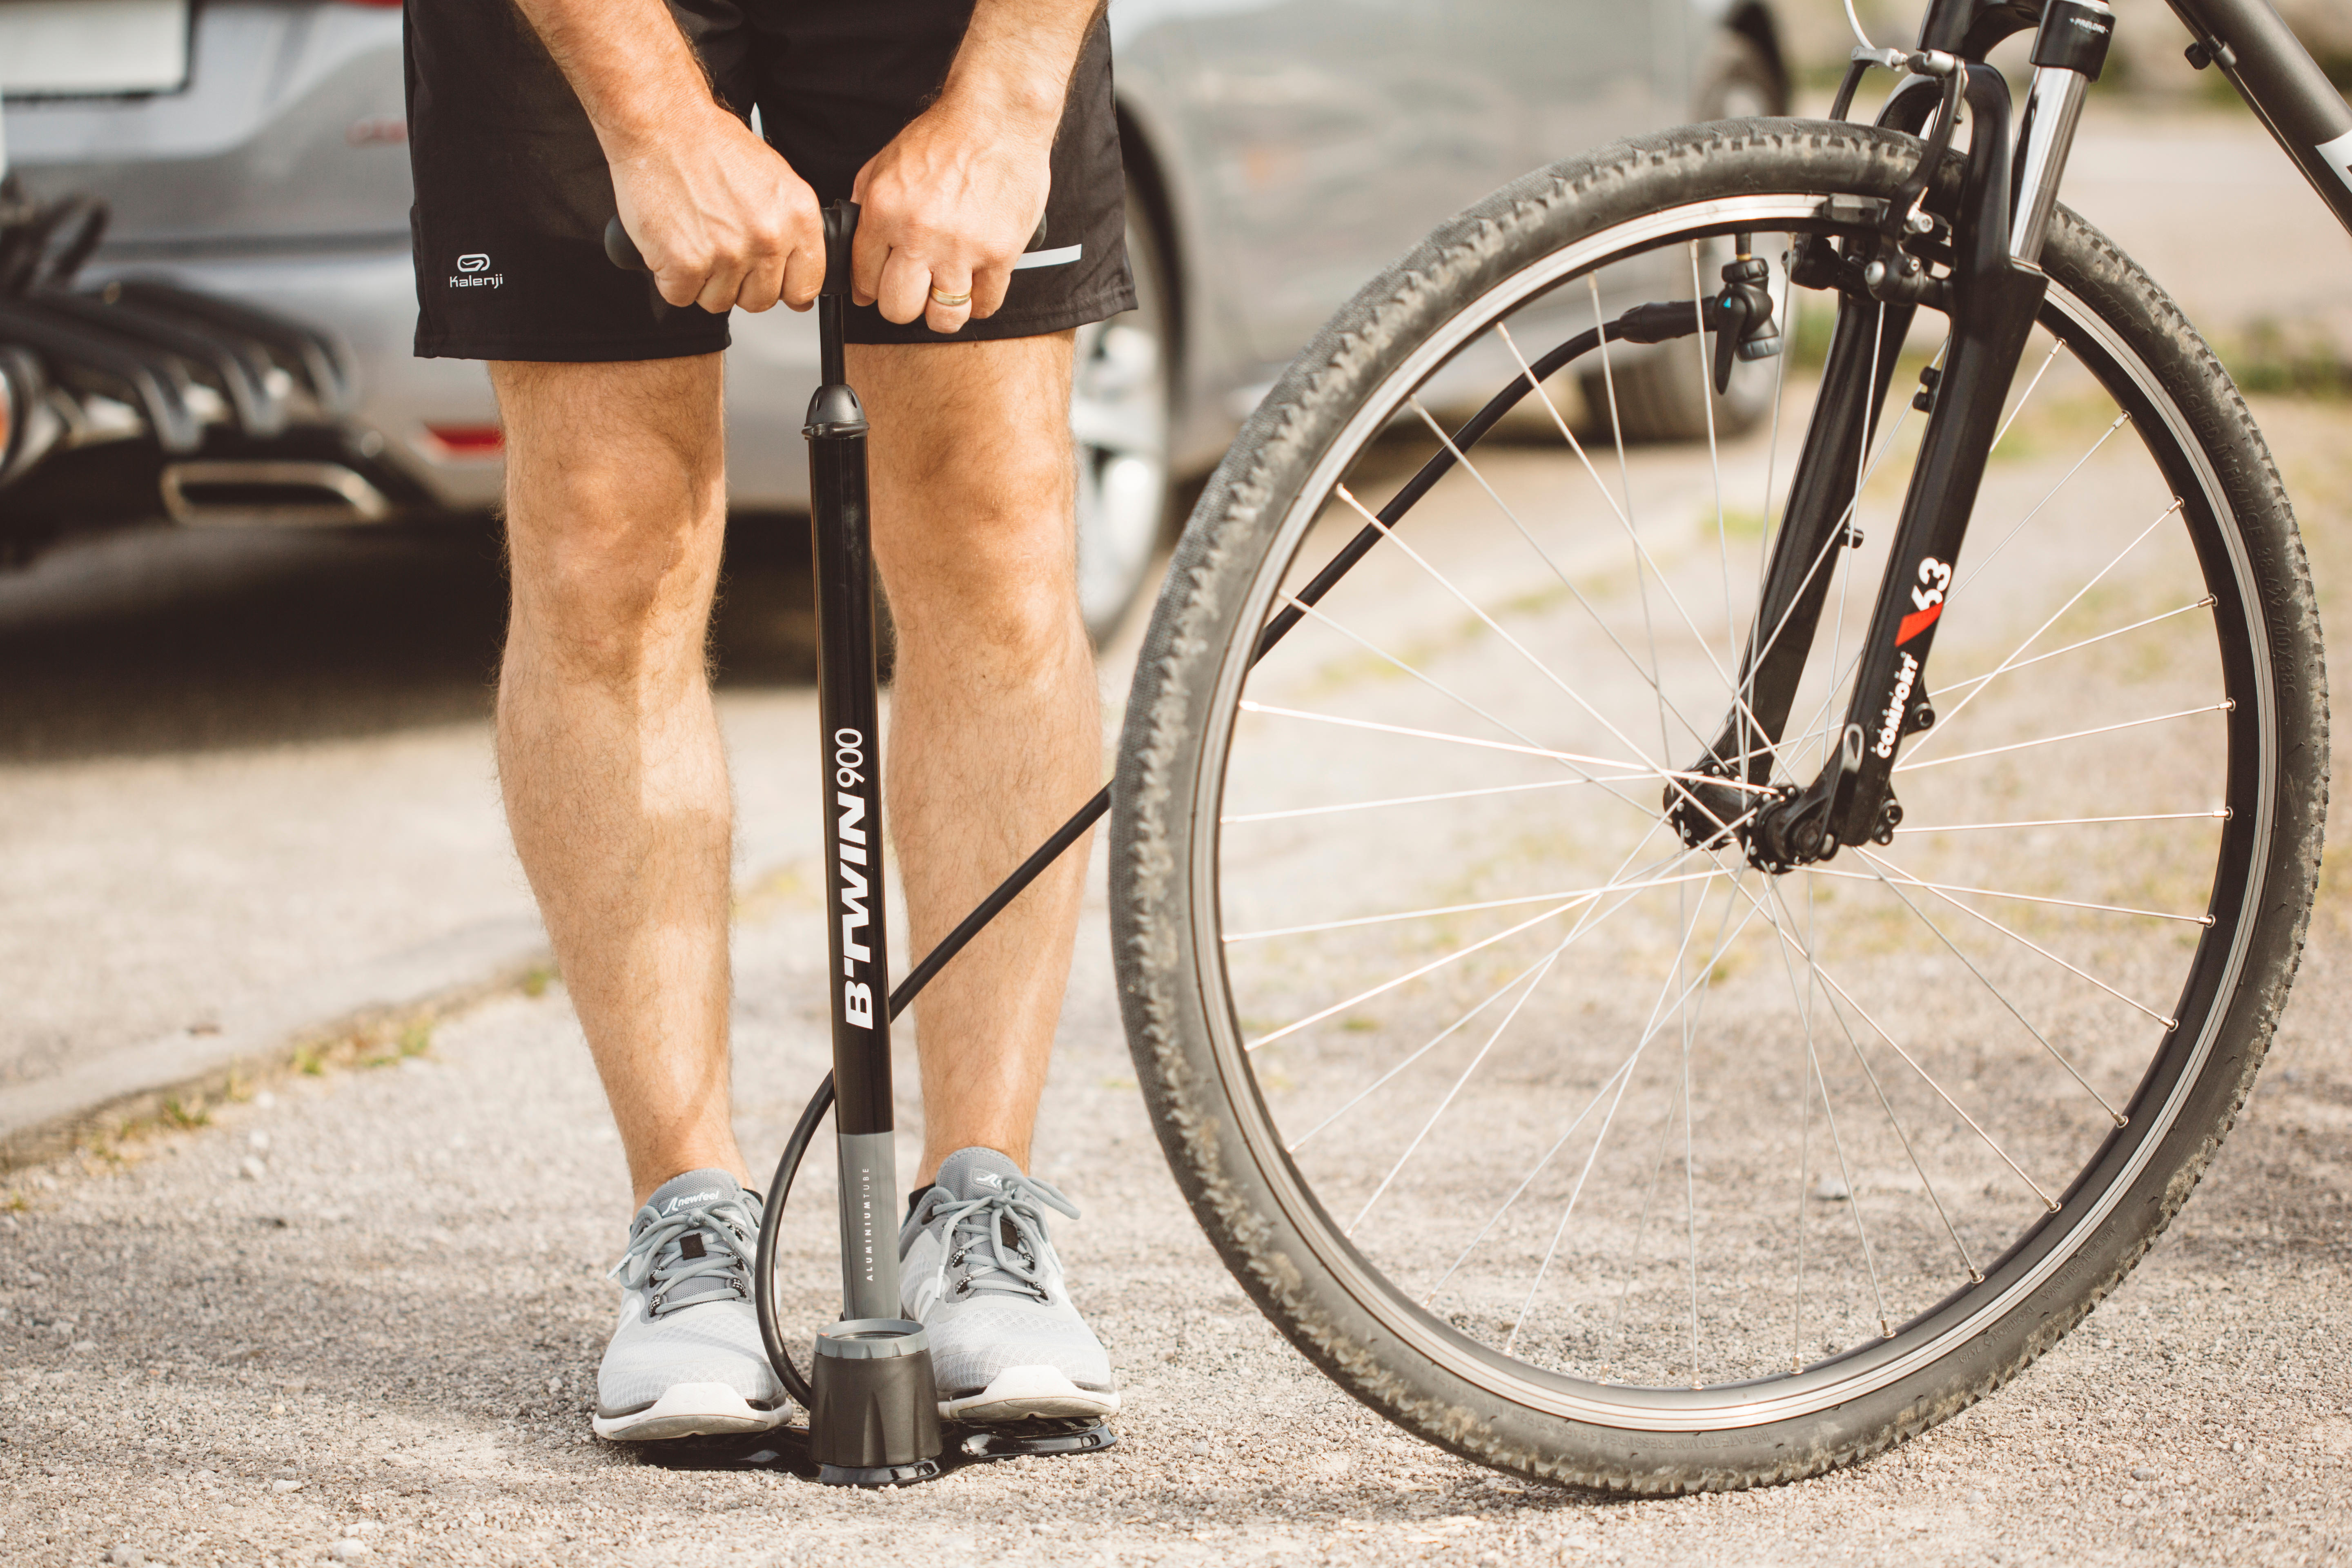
(721,220)
(952,201)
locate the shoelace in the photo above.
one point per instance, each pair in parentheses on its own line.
(974,1223)
(729,1223)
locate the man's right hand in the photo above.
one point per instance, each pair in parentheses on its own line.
(720,218)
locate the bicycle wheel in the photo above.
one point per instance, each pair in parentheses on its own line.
(1598,1156)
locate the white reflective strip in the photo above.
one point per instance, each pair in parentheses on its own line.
(2338,155)
(1061,258)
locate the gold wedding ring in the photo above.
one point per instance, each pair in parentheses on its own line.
(949,300)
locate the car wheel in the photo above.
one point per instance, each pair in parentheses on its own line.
(1119,401)
(1654,393)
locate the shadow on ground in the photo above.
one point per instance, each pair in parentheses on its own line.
(170,640)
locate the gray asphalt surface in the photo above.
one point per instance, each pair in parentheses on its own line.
(356,1316)
(369,1307)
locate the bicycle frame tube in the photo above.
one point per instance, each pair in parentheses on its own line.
(2285,87)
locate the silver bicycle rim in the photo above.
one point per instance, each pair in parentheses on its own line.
(1850,1373)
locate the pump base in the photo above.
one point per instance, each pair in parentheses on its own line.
(878,1475)
(786,1448)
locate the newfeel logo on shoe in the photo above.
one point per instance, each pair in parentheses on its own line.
(689,1200)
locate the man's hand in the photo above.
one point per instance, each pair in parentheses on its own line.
(948,206)
(718,217)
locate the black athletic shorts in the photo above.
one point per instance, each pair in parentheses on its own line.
(512,191)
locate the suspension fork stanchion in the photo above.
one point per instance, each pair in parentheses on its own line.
(875,1417)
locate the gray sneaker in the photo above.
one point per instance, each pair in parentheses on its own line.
(978,1271)
(685,1358)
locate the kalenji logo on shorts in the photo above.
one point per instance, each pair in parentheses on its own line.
(474,272)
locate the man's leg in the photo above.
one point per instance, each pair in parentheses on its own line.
(608,748)
(994,739)
(995,735)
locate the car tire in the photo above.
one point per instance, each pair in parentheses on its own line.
(1121,397)
(1653,392)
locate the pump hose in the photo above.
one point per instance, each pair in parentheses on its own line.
(763,1270)
(1643,325)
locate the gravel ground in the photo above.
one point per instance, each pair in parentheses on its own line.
(357,1316)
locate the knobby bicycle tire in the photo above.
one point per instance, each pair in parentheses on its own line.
(1271,1226)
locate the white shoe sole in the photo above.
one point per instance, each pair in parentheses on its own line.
(689,1410)
(1031,1393)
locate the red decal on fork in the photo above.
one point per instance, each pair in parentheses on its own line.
(1917,622)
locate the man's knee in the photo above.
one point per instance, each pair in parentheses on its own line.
(991,572)
(612,588)
(616,500)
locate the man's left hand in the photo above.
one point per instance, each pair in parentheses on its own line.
(947,208)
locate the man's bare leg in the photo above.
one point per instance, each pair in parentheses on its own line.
(995,736)
(608,747)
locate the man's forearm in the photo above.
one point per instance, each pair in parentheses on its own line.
(634,71)
(1016,59)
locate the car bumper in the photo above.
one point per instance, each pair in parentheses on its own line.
(368,300)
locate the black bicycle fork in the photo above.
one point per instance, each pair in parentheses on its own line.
(1993,294)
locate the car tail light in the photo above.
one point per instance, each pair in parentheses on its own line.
(468,441)
(20,387)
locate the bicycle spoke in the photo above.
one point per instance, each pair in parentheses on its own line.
(1455,1089)
(1903,1136)
(1394,800)
(1624,473)
(1659,1013)
(2219,814)
(1475,608)
(2010,661)
(1977,682)
(2027,897)
(1697,637)
(2224,707)
(2043,369)
(2001,996)
(1640,1229)
(1431,967)
(1585,923)
(1463,461)
(1443,690)
(1924,1075)
(1853,1192)
(1527,1181)
(2026,942)
(1572,897)
(1642,554)
(2019,526)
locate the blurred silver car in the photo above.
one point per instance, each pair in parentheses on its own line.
(1279,153)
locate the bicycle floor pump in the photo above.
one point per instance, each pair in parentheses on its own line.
(873,1403)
